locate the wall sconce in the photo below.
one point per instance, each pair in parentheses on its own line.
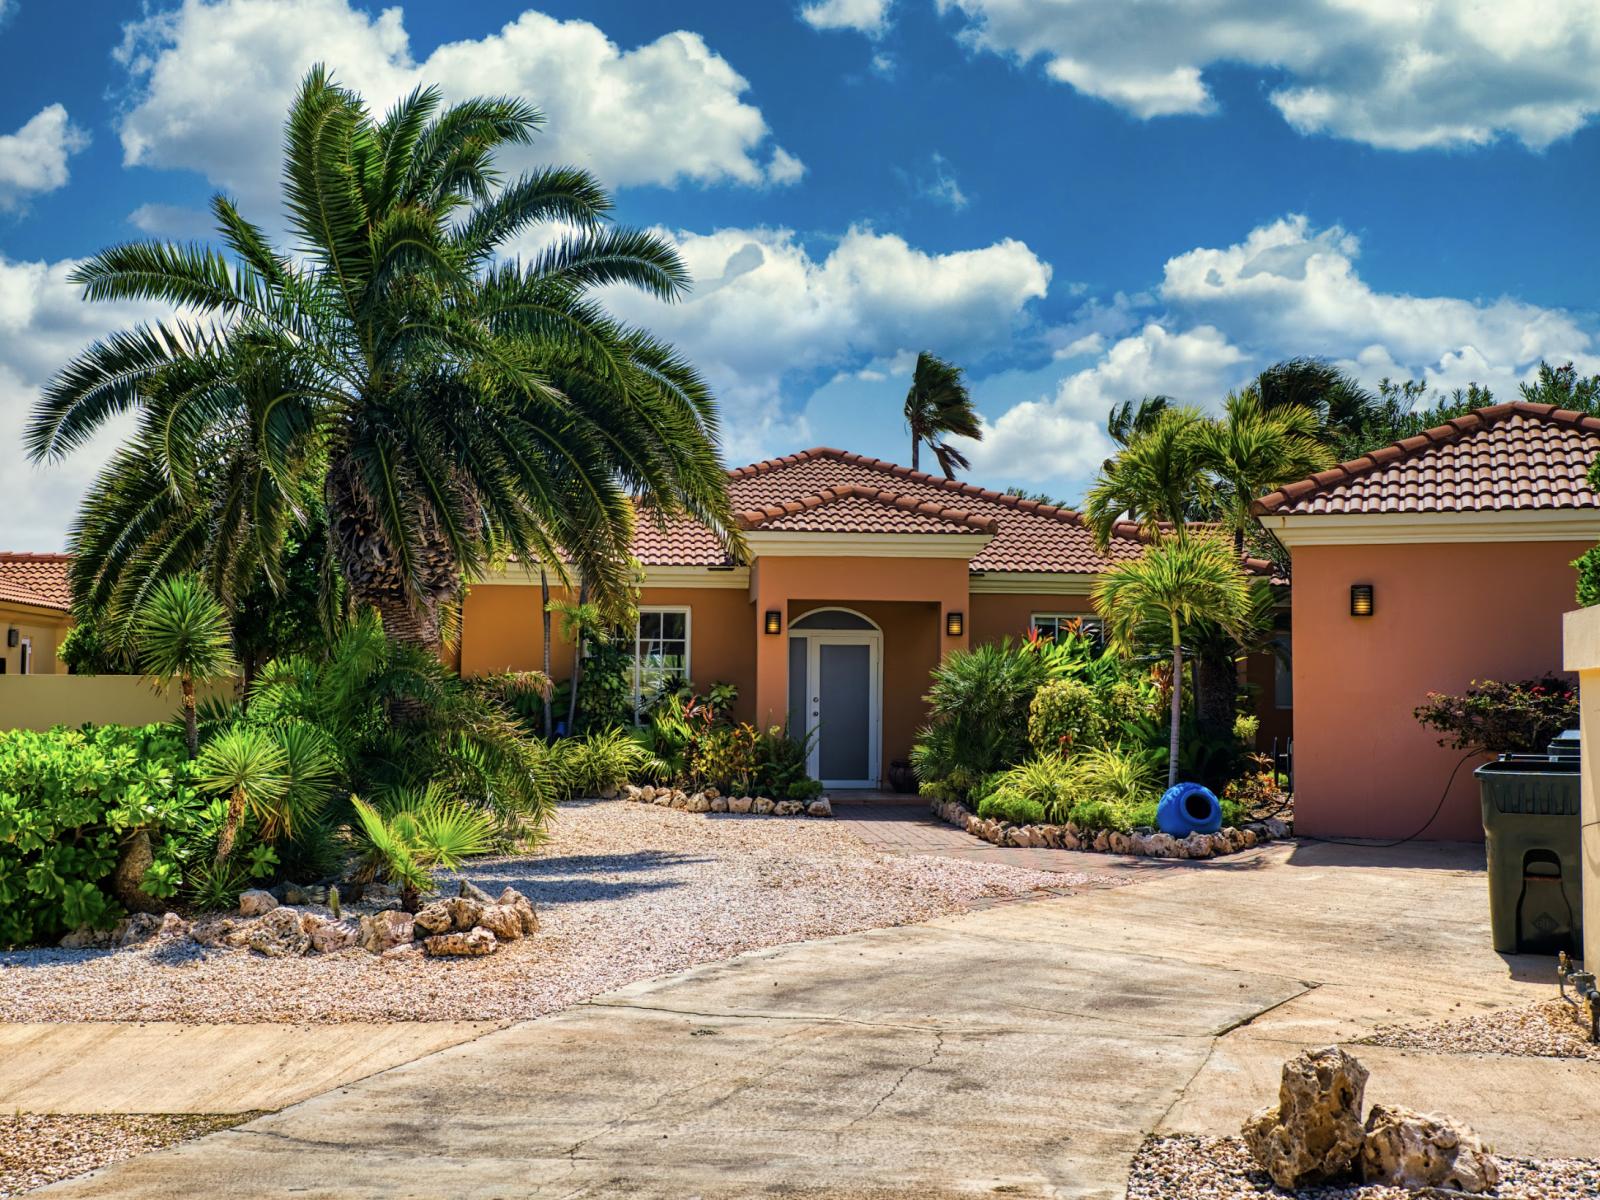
(774,622)
(1360,599)
(11,636)
(954,624)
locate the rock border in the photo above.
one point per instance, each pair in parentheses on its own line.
(711,800)
(1228,840)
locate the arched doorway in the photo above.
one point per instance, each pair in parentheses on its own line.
(836,695)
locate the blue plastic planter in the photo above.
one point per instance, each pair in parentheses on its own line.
(1187,808)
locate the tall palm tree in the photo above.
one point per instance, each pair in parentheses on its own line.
(1158,480)
(1252,449)
(448,406)
(183,635)
(1151,599)
(1128,420)
(936,406)
(1343,407)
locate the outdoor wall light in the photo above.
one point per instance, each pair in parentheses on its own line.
(1360,599)
(11,636)
(954,624)
(774,623)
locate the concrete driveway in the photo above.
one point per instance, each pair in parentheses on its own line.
(1025,1050)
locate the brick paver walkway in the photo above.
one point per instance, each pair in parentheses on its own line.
(900,824)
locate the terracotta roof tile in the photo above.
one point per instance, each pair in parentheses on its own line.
(831,490)
(1506,457)
(36,579)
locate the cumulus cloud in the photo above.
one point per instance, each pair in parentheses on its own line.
(764,307)
(1400,76)
(43,323)
(211,80)
(870,17)
(33,160)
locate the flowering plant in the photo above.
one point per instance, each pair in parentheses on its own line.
(1502,718)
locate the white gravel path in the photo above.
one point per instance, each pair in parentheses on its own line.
(624,892)
(1549,1029)
(36,1150)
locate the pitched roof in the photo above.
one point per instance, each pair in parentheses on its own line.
(834,491)
(36,579)
(1506,457)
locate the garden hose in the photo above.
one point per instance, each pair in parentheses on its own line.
(1410,837)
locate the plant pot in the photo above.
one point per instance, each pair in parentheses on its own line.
(901,777)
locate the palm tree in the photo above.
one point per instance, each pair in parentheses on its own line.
(1342,406)
(415,830)
(1252,449)
(1128,420)
(1158,480)
(248,765)
(183,634)
(938,405)
(1152,598)
(448,407)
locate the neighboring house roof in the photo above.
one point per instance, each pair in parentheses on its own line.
(1503,458)
(834,491)
(39,580)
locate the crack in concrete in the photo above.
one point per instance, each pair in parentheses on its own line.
(938,1049)
(1306,988)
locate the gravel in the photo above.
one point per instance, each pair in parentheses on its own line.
(36,1150)
(1191,1168)
(624,892)
(1550,1029)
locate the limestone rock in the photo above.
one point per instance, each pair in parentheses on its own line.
(713,793)
(127,881)
(515,900)
(762,806)
(1276,828)
(631,792)
(1070,840)
(788,808)
(502,921)
(86,937)
(465,912)
(1197,845)
(646,795)
(278,934)
(144,927)
(1162,845)
(680,800)
(255,902)
(1247,838)
(822,807)
(332,936)
(609,793)
(434,918)
(739,804)
(697,803)
(384,930)
(719,804)
(1313,1134)
(1119,843)
(471,944)
(1409,1149)
(471,891)
(1102,841)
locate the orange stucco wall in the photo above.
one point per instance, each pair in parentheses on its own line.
(1444,614)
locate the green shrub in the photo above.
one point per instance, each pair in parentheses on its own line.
(1048,781)
(69,800)
(1245,728)
(1115,789)
(599,762)
(1008,806)
(1127,703)
(781,767)
(1502,718)
(1065,715)
(1588,565)
(726,758)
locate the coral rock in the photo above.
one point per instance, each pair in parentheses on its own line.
(788,808)
(820,808)
(762,807)
(719,804)
(333,936)
(1313,1134)
(465,912)
(434,918)
(502,921)
(278,934)
(385,930)
(255,902)
(471,944)
(471,891)
(740,804)
(511,898)
(1409,1149)
(697,803)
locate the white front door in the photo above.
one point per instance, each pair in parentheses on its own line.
(841,698)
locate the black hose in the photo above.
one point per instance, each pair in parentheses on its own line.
(1410,837)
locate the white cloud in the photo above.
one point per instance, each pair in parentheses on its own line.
(870,17)
(212,80)
(34,158)
(43,323)
(171,221)
(1397,75)
(942,186)
(764,307)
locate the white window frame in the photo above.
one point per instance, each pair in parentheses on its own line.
(688,645)
(25,656)
(1082,618)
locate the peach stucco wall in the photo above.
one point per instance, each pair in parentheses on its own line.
(995,617)
(1444,614)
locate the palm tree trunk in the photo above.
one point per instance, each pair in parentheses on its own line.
(1177,703)
(191,722)
(577,662)
(1216,682)
(916,451)
(230,825)
(544,609)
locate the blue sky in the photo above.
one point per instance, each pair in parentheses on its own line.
(1082,201)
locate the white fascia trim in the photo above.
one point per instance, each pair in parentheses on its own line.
(654,577)
(1376,529)
(867,545)
(1034,583)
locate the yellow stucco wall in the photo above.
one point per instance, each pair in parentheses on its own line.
(43,627)
(43,701)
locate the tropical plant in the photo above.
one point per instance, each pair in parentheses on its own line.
(1152,598)
(1045,784)
(600,762)
(1160,479)
(248,766)
(183,635)
(936,407)
(412,832)
(1065,716)
(1253,449)
(1128,420)
(1502,718)
(449,405)
(1012,808)
(71,802)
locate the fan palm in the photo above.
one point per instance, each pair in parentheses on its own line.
(183,635)
(936,406)
(1151,599)
(449,407)
(415,830)
(1128,420)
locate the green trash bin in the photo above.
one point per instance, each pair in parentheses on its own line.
(1531,827)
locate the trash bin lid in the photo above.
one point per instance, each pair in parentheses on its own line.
(1565,745)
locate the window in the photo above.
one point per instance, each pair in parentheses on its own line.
(1053,625)
(25,657)
(1283,673)
(660,654)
